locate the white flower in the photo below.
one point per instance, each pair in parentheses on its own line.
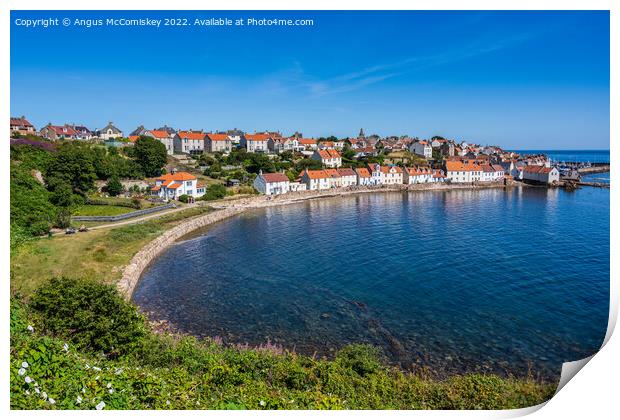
(87,366)
(65,346)
(96,369)
(44,395)
(100,406)
(27,392)
(78,400)
(21,371)
(262,402)
(109,385)
(97,378)
(52,401)
(168,402)
(28,379)
(24,365)
(118,371)
(111,390)
(37,390)
(29,328)
(83,391)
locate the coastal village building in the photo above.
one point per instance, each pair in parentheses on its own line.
(172,186)
(385,175)
(417,175)
(22,126)
(58,132)
(307,144)
(348,177)
(315,179)
(82,132)
(460,171)
(541,174)
(492,173)
(109,132)
(330,158)
(272,183)
(364,177)
(218,143)
(297,185)
(255,143)
(422,148)
(167,139)
(335,180)
(192,142)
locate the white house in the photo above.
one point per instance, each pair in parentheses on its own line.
(330,158)
(192,142)
(541,174)
(164,137)
(297,186)
(348,177)
(459,171)
(422,148)
(417,175)
(364,177)
(272,184)
(255,143)
(385,175)
(109,132)
(315,179)
(218,143)
(172,186)
(335,180)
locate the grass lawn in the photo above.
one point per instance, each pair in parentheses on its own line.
(100,210)
(98,254)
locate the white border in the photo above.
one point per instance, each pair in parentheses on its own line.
(591,394)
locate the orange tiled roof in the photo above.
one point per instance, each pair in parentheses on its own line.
(159,134)
(217,137)
(453,166)
(133,139)
(329,154)
(192,135)
(178,176)
(363,172)
(256,137)
(174,186)
(316,174)
(275,177)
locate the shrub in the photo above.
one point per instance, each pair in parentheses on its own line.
(114,186)
(184,198)
(214,192)
(362,359)
(135,201)
(92,315)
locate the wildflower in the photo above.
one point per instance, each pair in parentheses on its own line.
(111,390)
(29,328)
(87,366)
(96,369)
(83,391)
(52,401)
(109,385)
(97,378)
(24,365)
(37,390)
(66,347)
(262,403)
(167,402)
(28,379)
(27,392)
(78,400)
(44,395)
(21,371)
(118,371)
(100,406)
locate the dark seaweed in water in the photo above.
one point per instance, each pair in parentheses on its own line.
(510,282)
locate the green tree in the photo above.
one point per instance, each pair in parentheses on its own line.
(151,155)
(74,163)
(114,186)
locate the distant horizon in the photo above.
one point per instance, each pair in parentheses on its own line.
(518,79)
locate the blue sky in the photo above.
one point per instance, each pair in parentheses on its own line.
(516,79)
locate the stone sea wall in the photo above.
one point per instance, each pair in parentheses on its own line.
(133,271)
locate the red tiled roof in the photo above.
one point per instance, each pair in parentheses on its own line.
(133,139)
(462,166)
(159,134)
(306,142)
(256,137)
(329,154)
(217,137)
(191,135)
(22,122)
(346,172)
(316,174)
(537,169)
(275,177)
(174,186)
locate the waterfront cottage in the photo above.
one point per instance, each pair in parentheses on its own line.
(192,142)
(385,175)
(335,180)
(417,175)
(272,183)
(330,158)
(463,171)
(315,179)
(172,186)
(364,177)
(217,143)
(22,126)
(541,174)
(348,177)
